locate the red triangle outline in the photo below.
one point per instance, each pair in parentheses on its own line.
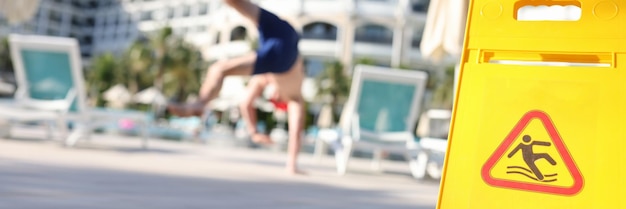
(558,143)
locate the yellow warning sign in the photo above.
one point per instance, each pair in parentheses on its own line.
(533,157)
(539,119)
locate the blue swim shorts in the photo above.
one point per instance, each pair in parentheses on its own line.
(278,45)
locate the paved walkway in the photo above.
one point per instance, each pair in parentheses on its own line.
(113,172)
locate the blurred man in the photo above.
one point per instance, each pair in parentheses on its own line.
(276,63)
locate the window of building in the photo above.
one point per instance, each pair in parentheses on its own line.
(420,5)
(146,15)
(123,18)
(204,8)
(76,3)
(180,31)
(320,30)
(313,66)
(93,4)
(90,21)
(374,34)
(417,37)
(115,20)
(37,14)
(238,34)
(100,19)
(3,22)
(28,27)
(130,34)
(186,11)
(201,28)
(52,32)
(55,16)
(87,40)
(170,13)
(76,21)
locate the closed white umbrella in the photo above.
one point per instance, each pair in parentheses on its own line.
(444,29)
(444,32)
(309,89)
(18,11)
(117,93)
(445,25)
(150,96)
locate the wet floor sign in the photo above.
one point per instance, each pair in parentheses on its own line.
(540,117)
(531,158)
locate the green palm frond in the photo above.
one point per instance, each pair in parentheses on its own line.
(5,56)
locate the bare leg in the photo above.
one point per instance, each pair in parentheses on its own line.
(296,123)
(255,88)
(212,84)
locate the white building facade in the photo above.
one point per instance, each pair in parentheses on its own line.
(118,24)
(111,25)
(60,18)
(387,32)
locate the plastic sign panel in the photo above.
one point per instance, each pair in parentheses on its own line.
(539,119)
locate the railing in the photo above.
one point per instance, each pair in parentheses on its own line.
(329,36)
(374,39)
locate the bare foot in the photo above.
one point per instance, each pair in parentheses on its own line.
(295,172)
(186,110)
(261,139)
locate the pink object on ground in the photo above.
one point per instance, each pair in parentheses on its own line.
(126,124)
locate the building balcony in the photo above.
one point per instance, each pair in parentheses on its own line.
(325,36)
(324,6)
(372,50)
(318,47)
(385,8)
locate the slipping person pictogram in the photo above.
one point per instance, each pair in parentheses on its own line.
(531,157)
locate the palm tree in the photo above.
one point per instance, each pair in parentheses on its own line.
(105,72)
(182,70)
(334,84)
(178,65)
(138,60)
(443,95)
(160,44)
(6,65)
(366,61)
